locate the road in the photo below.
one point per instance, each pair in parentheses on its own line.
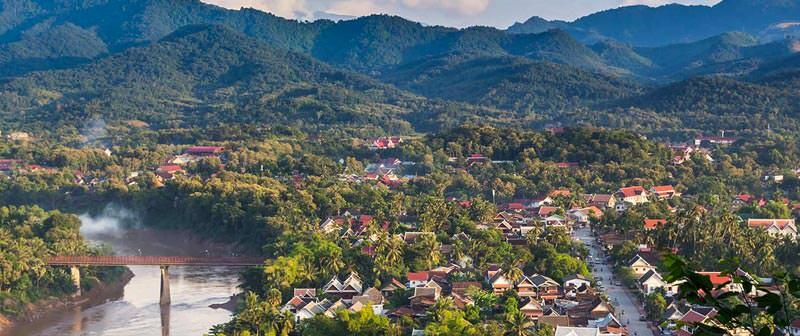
(627,308)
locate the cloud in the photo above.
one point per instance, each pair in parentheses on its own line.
(296,9)
(356,8)
(656,3)
(466,7)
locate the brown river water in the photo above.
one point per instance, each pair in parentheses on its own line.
(136,310)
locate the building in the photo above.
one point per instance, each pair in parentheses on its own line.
(650,282)
(664,192)
(417,279)
(642,263)
(631,196)
(576,281)
(775,227)
(602,201)
(576,331)
(652,224)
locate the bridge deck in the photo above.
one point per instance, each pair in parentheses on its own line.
(154,261)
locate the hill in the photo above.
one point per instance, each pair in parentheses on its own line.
(649,27)
(718,103)
(76,32)
(208,74)
(510,83)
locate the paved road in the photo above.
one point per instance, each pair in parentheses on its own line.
(627,308)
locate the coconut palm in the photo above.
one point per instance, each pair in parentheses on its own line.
(519,324)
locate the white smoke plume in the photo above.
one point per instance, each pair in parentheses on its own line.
(111,222)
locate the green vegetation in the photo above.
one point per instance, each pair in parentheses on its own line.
(28,236)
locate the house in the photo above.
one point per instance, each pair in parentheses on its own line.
(602,201)
(560,193)
(631,196)
(775,227)
(526,287)
(500,284)
(463,287)
(555,222)
(718,279)
(585,215)
(664,192)
(313,309)
(713,140)
(576,331)
(393,286)
(545,211)
(576,281)
(532,308)
(650,282)
(642,263)
(546,288)
(423,297)
(346,289)
(417,279)
(652,224)
(381,143)
(540,202)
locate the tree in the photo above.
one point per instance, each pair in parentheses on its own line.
(519,324)
(655,304)
(452,323)
(737,311)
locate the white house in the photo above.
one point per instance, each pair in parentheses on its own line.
(650,282)
(640,264)
(576,281)
(775,227)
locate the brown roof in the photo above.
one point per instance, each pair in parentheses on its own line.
(632,191)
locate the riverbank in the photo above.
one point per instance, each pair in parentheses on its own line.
(44,309)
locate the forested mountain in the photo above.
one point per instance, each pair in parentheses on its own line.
(207,74)
(161,61)
(670,24)
(511,83)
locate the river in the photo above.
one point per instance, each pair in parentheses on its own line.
(136,310)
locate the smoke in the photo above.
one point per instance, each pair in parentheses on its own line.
(113,221)
(95,130)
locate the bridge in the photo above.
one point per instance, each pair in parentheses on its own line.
(164,262)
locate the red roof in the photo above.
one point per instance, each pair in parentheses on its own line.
(515,206)
(546,210)
(693,317)
(418,276)
(632,191)
(170,168)
(664,188)
(559,192)
(650,224)
(745,197)
(764,223)
(795,324)
(716,277)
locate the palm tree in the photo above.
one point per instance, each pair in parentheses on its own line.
(519,324)
(514,274)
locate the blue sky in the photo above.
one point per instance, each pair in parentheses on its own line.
(456,13)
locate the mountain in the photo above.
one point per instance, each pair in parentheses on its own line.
(61,34)
(509,83)
(46,34)
(645,26)
(207,74)
(718,103)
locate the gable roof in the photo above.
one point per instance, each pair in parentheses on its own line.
(650,274)
(716,278)
(650,224)
(576,331)
(632,191)
(663,189)
(418,276)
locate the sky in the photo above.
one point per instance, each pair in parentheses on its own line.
(453,13)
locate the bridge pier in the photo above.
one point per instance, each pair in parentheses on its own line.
(75,274)
(165,296)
